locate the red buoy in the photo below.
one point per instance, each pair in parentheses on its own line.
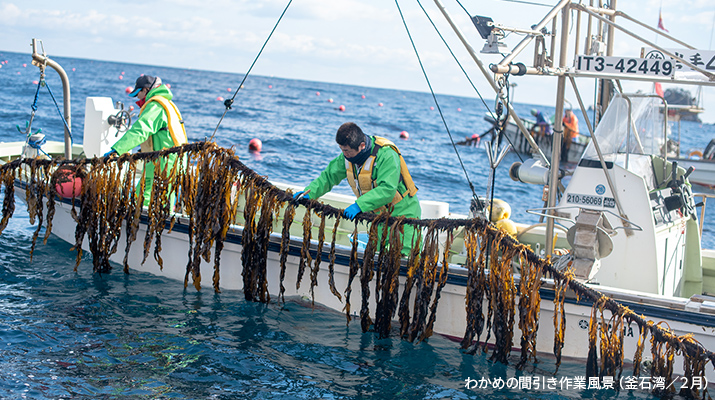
(330,100)
(404,135)
(121,77)
(68,185)
(363,96)
(317,93)
(128,89)
(379,104)
(341,108)
(219,98)
(255,145)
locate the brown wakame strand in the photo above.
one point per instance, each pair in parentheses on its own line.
(331,266)
(387,291)
(529,306)
(424,284)
(288,215)
(476,284)
(318,258)
(502,299)
(413,262)
(208,198)
(305,257)
(560,285)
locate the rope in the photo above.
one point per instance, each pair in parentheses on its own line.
(64,121)
(505,123)
(505,242)
(28,127)
(37,145)
(434,97)
(496,119)
(456,60)
(229,102)
(37,93)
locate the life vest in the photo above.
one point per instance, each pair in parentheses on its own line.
(571,123)
(365,181)
(175,124)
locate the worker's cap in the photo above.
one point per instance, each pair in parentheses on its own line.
(144,81)
(533,111)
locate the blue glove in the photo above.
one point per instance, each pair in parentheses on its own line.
(301,194)
(352,211)
(109,153)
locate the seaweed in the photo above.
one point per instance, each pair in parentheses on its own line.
(205,190)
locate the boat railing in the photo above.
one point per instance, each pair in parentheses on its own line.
(42,61)
(705,197)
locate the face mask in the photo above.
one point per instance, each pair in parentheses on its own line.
(360,158)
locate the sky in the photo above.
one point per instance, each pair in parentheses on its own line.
(358,42)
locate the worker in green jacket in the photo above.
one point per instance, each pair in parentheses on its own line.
(377,174)
(159,126)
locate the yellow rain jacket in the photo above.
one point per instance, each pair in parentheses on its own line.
(159,126)
(378,182)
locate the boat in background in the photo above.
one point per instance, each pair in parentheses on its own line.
(513,136)
(702,160)
(703,165)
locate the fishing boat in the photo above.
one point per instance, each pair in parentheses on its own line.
(703,174)
(700,159)
(512,135)
(683,107)
(618,264)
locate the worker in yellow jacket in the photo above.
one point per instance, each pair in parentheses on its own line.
(158,126)
(377,174)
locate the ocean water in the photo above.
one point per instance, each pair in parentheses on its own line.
(67,334)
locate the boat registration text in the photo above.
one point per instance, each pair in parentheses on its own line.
(624,65)
(590,200)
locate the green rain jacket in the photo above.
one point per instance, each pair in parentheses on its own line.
(386,175)
(153,122)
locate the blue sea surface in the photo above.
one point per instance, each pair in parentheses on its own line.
(74,334)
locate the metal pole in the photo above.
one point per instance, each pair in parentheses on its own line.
(659,32)
(612,25)
(558,131)
(553,42)
(607,84)
(624,217)
(525,42)
(587,45)
(40,60)
(577,35)
(491,80)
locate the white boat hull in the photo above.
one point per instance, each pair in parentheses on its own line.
(681,315)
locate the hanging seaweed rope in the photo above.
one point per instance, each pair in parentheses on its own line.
(208,188)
